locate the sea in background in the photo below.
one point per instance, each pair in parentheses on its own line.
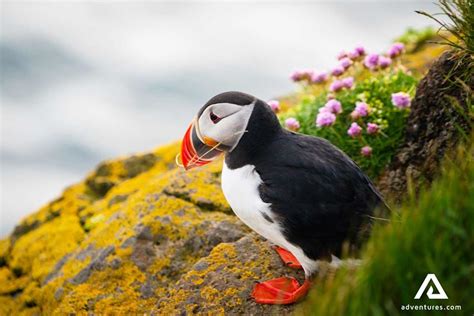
(86,81)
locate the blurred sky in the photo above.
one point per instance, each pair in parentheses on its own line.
(86,81)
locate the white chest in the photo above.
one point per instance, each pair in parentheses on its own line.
(240,187)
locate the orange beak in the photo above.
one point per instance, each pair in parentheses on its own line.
(197,151)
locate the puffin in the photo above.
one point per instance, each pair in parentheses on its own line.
(300,192)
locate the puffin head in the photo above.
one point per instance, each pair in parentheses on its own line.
(218,127)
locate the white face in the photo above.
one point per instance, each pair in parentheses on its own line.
(224,123)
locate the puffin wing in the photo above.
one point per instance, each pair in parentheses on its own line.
(320,196)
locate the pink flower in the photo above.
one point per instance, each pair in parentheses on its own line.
(345,62)
(333,106)
(292,124)
(366,151)
(355,115)
(396,49)
(355,130)
(360,49)
(362,109)
(319,77)
(372,128)
(338,70)
(401,100)
(357,52)
(348,82)
(336,85)
(384,62)
(353,55)
(325,118)
(275,105)
(300,75)
(296,75)
(371,61)
(341,55)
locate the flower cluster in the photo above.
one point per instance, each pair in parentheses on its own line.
(396,49)
(354,54)
(301,75)
(349,61)
(309,76)
(361,109)
(376,61)
(319,77)
(358,104)
(345,61)
(340,84)
(327,114)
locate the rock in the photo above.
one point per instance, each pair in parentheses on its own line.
(222,282)
(108,174)
(197,188)
(137,164)
(98,263)
(120,249)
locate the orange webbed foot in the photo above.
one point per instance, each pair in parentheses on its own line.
(281,291)
(288,258)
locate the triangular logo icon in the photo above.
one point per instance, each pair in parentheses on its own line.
(440,295)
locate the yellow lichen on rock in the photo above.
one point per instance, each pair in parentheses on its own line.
(37,252)
(222,281)
(107,291)
(4,248)
(115,243)
(10,283)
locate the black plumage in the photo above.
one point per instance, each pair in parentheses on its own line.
(319,195)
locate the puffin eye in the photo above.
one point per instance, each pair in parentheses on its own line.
(214,118)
